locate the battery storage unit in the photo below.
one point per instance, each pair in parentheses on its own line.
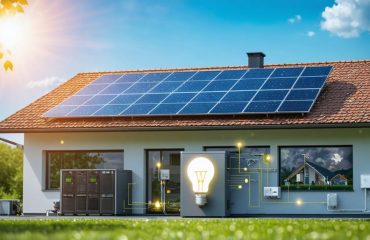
(95,192)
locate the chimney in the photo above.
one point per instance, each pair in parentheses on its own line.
(255,59)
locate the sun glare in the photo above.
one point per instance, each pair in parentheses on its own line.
(12,32)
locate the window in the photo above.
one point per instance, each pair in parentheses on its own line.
(316,168)
(57,160)
(250,156)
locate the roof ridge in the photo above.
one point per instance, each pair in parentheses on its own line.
(220,67)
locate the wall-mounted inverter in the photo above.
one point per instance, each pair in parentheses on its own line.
(95,192)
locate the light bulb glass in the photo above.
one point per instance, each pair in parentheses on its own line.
(200,172)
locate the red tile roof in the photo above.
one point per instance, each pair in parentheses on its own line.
(344,101)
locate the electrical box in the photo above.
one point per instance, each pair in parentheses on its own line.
(332,200)
(272,192)
(165,174)
(365,180)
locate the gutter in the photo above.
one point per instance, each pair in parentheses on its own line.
(185,128)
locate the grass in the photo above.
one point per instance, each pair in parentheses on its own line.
(185,229)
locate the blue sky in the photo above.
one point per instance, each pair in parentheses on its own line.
(96,35)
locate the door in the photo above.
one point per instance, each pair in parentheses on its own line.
(165,198)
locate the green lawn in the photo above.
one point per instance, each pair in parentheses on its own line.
(185,229)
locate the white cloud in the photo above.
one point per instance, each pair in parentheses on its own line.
(295,19)
(46,83)
(311,33)
(337,158)
(347,18)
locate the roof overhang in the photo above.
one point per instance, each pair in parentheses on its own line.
(188,128)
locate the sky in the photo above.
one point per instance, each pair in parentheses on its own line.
(58,39)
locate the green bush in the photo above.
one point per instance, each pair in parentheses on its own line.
(11,167)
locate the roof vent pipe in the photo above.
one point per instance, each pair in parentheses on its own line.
(255,59)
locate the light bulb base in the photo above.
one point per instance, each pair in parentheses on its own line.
(201,199)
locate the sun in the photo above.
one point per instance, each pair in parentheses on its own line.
(12,32)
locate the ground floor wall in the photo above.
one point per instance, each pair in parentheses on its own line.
(247,199)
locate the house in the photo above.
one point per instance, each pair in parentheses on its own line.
(311,173)
(338,119)
(7,141)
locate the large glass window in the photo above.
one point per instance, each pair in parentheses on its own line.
(57,160)
(157,160)
(316,167)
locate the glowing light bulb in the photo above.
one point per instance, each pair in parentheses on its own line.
(157,204)
(62,142)
(158,164)
(299,202)
(200,172)
(240,187)
(246,180)
(239,144)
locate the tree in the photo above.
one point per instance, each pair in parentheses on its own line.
(9,7)
(11,167)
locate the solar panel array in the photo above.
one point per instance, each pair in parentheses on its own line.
(249,91)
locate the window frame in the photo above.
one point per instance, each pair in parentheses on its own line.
(47,152)
(146,153)
(313,146)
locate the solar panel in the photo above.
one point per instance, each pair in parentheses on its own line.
(241,91)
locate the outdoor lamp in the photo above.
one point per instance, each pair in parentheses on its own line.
(200,172)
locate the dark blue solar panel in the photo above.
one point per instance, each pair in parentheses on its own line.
(92,89)
(209,97)
(270,95)
(205,92)
(166,87)
(141,87)
(110,78)
(295,106)
(165,108)
(155,77)
(130,78)
(262,107)
(231,74)
(110,110)
(287,72)
(85,110)
(234,107)
(60,111)
(279,83)
(180,76)
(76,100)
(126,99)
(139,109)
(239,96)
(250,84)
(179,98)
(197,108)
(317,71)
(310,82)
(152,98)
(308,94)
(192,86)
(205,75)
(258,73)
(100,100)
(220,85)
(116,88)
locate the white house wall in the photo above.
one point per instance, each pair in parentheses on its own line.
(38,200)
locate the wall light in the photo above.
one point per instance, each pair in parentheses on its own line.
(200,172)
(62,141)
(158,164)
(299,202)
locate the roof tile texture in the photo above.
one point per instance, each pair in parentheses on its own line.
(345,99)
